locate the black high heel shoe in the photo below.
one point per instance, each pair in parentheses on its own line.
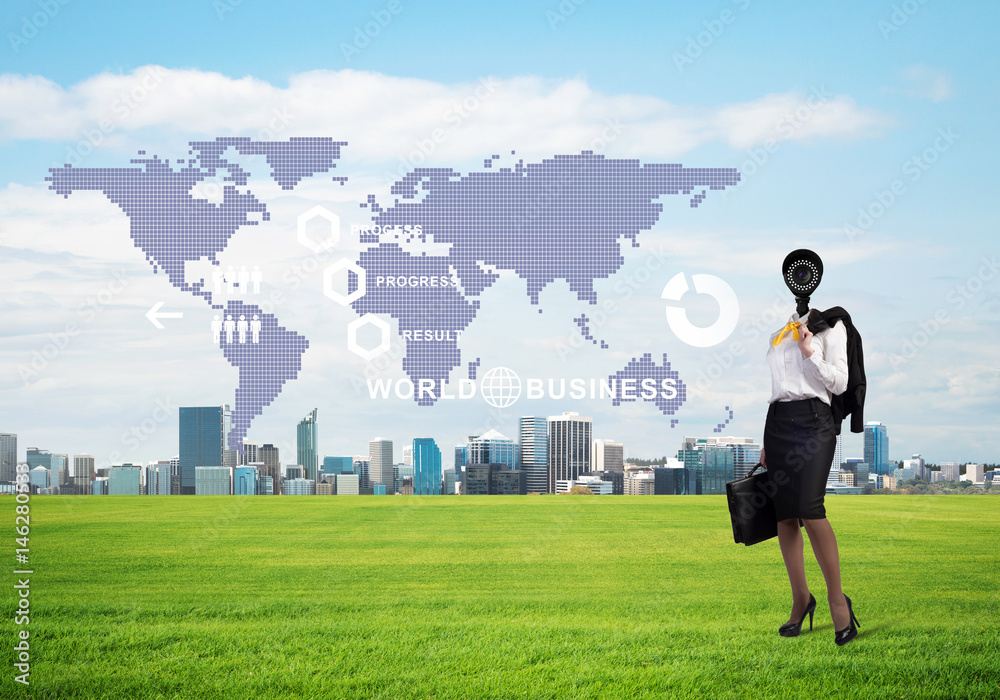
(842,637)
(793,629)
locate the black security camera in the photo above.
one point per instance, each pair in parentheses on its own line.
(802,271)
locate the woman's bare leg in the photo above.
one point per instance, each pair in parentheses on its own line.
(790,540)
(824,545)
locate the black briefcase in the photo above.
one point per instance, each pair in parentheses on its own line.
(751,509)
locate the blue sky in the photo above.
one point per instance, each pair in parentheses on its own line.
(900,77)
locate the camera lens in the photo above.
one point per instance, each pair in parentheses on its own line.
(802,273)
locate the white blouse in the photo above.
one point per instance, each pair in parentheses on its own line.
(794,376)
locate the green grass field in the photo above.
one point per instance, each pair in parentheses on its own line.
(496,597)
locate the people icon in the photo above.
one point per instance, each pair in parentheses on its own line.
(231,280)
(244,279)
(217,278)
(242,326)
(255,326)
(216,329)
(256,276)
(230,326)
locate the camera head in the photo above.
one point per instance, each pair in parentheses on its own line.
(802,271)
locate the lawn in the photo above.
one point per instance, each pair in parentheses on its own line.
(496,597)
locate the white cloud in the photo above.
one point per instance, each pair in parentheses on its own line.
(391,118)
(928,83)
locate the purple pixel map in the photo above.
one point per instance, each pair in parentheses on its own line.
(561,219)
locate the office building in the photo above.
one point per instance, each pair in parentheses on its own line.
(300,487)
(917,464)
(408,456)
(338,465)
(99,487)
(401,472)
(250,454)
(327,486)
(213,481)
(492,447)
(43,458)
(877,447)
(361,468)
(265,480)
(449,482)
(203,431)
(307,454)
(39,478)
(534,453)
(903,474)
(158,477)
(426,467)
(493,479)
(83,473)
(710,466)
(668,480)
(460,462)
(859,469)
(640,483)
(570,437)
(597,485)
(125,480)
(608,456)
(950,471)
(294,471)
(246,481)
(8,457)
(347,484)
(838,457)
(974,473)
(380,462)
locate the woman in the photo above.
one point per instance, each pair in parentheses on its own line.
(800,440)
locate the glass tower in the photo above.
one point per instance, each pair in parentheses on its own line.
(307,445)
(492,447)
(203,431)
(534,448)
(426,467)
(877,447)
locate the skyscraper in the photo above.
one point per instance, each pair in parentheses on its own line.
(8,457)
(877,447)
(307,455)
(380,462)
(426,467)
(534,457)
(608,456)
(83,473)
(203,431)
(269,471)
(492,447)
(569,447)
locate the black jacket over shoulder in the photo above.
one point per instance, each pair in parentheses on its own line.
(852,401)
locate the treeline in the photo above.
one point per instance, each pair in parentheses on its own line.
(919,486)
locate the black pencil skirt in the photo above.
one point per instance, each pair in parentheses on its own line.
(799,444)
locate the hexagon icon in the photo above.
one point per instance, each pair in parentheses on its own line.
(350,266)
(352,336)
(326,243)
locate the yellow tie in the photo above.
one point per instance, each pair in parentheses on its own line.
(792,326)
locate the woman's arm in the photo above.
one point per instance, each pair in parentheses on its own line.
(828,362)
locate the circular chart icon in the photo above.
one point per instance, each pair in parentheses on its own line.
(729,310)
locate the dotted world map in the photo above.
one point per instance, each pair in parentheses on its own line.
(564,218)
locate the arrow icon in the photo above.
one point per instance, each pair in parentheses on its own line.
(154,314)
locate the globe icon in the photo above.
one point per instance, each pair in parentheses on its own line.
(501,387)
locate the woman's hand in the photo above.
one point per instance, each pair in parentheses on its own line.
(805,341)
(762,462)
